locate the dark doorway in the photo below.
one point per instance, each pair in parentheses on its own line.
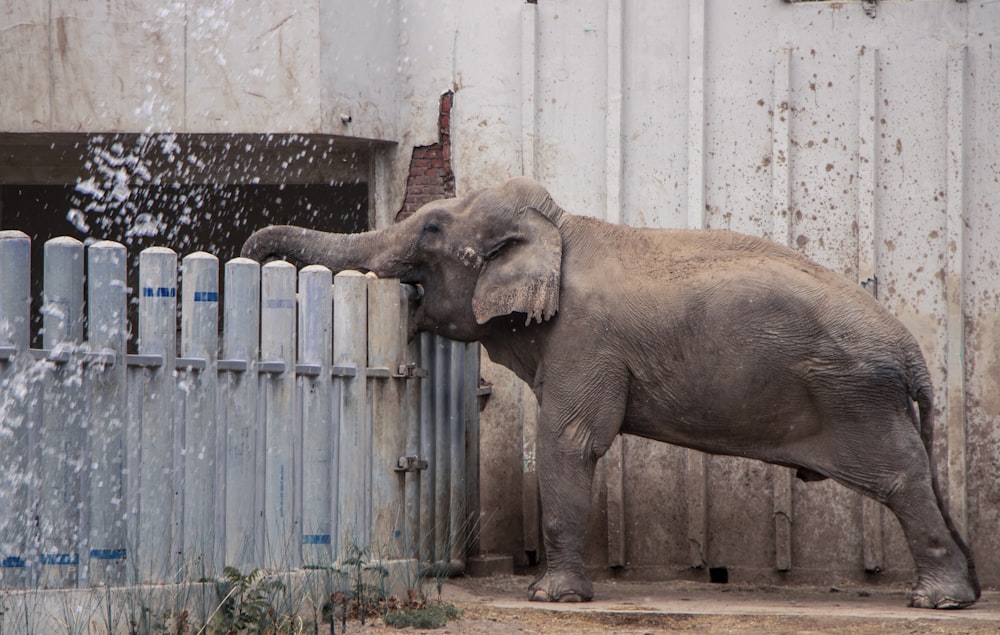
(186,210)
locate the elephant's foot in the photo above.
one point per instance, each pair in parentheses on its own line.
(926,595)
(561,587)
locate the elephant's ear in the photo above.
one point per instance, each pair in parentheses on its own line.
(521,273)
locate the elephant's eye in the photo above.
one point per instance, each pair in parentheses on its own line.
(432,228)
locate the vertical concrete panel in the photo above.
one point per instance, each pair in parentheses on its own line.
(137,83)
(243,75)
(911,224)
(954,288)
(739,107)
(781,222)
(655,115)
(872,512)
(493,87)
(360,52)
(982,294)
(24,40)
(571,102)
(823,95)
(656,507)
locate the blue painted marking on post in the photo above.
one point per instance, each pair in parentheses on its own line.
(206,296)
(13,562)
(316,539)
(108,554)
(280,303)
(60,558)
(159,292)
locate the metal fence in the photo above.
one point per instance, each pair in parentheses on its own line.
(303,431)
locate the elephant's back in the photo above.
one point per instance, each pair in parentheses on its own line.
(676,273)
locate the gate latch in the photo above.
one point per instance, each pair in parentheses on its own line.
(410,464)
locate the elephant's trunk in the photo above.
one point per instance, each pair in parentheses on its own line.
(368,251)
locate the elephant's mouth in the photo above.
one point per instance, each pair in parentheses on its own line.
(414,291)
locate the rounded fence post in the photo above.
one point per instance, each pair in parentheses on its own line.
(15,292)
(315,353)
(198,381)
(385,355)
(107,332)
(354,463)
(277,349)
(239,422)
(160,471)
(63,478)
(16,499)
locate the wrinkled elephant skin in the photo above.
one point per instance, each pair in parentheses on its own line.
(711,340)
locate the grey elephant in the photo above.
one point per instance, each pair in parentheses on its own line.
(711,340)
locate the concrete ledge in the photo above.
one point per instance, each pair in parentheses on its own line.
(489,565)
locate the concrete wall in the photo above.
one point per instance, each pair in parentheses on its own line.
(866,143)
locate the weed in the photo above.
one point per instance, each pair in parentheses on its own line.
(245,601)
(434,615)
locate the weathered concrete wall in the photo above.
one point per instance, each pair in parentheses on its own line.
(129,66)
(868,144)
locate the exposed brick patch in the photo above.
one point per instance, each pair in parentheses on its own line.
(430,175)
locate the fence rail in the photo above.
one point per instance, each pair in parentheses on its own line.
(311,430)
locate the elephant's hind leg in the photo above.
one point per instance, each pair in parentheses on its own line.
(945,579)
(945,574)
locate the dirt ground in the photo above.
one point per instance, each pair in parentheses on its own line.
(497,605)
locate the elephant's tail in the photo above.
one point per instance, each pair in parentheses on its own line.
(922,392)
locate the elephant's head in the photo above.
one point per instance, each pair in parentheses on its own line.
(492,253)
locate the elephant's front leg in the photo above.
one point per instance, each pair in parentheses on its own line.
(565,480)
(571,437)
